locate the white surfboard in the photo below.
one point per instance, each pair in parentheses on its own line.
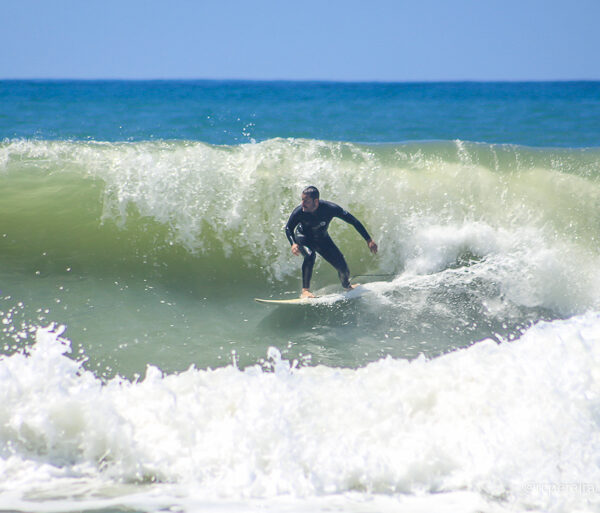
(326,299)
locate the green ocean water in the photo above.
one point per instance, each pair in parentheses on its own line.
(152,252)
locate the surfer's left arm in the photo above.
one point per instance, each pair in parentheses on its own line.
(344,215)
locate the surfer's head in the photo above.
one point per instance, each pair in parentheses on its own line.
(311,191)
(310,199)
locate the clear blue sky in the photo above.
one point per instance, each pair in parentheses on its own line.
(385,40)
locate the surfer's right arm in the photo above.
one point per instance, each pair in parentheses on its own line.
(289,229)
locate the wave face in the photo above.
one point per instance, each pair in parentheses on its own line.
(428,204)
(475,239)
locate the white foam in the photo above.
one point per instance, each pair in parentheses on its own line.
(529,269)
(505,421)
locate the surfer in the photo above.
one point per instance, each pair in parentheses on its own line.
(306,230)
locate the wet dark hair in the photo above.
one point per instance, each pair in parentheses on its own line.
(312,192)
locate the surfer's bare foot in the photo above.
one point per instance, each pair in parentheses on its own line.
(352,286)
(306,293)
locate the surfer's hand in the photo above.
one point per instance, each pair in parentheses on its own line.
(296,249)
(372,246)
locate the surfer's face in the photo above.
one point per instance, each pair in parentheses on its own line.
(309,204)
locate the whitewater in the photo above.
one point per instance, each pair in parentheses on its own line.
(492,427)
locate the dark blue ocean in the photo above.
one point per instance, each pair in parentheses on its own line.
(140,220)
(561,114)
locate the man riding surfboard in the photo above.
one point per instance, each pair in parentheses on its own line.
(306,230)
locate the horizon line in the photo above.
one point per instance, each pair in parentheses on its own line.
(303,80)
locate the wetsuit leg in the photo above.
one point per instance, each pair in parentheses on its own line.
(307,268)
(309,260)
(330,252)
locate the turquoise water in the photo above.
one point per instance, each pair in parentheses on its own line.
(139,220)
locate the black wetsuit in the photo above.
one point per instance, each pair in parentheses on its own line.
(309,231)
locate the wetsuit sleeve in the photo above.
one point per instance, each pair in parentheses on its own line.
(291,224)
(350,219)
